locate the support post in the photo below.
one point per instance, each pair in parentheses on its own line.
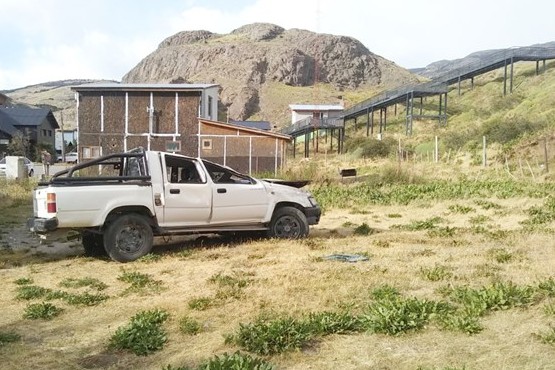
(484,152)
(505,79)
(511,81)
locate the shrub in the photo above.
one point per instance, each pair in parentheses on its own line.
(28,292)
(238,360)
(23,281)
(8,337)
(325,323)
(271,336)
(189,326)
(144,333)
(398,315)
(363,229)
(140,283)
(44,310)
(83,282)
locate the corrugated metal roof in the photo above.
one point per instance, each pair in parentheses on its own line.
(22,116)
(261,125)
(246,129)
(101,86)
(315,107)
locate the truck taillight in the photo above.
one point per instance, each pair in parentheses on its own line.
(51,202)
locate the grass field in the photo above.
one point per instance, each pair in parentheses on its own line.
(451,280)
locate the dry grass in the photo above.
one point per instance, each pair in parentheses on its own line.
(292,277)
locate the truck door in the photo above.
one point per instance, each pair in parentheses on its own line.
(236,198)
(187,193)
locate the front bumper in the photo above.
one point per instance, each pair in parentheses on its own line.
(42,225)
(313,214)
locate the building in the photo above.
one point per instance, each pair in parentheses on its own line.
(179,118)
(242,148)
(301,112)
(260,125)
(114,117)
(38,124)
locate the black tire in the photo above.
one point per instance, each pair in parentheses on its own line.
(128,237)
(93,244)
(288,223)
(31,173)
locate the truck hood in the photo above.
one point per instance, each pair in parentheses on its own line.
(285,189)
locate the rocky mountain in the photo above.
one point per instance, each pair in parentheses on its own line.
(251,62)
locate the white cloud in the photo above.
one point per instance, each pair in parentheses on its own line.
(44,40)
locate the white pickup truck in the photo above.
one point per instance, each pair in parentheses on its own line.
(119,202)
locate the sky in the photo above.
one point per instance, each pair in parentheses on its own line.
(50,40)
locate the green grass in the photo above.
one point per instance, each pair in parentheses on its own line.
(7,337)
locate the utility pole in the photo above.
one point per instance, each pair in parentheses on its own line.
(63,136)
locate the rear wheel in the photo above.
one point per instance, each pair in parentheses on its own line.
(93,244)
(128,237)
(288,223)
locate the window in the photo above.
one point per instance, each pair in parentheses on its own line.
(173,146)
(183,170)
(90,152)
(210,107)
(224,175)
(207,144)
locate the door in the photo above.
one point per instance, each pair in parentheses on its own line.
(187,193)
(237,198)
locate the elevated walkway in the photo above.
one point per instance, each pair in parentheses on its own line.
(438,86)
(407,94)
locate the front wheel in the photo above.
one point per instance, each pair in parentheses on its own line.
(288,223)
(128,237)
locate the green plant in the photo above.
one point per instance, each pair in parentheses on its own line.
(485,204)
(201,303)
(442,232)
(268,336)
(83,282)
(327,322)
(385,292)
(44,310)
(149,258)
(140,283)
(23,281)
(462,321)
(236,361)
(549,336)
(8,337)
(501,255)
(85,299)
(28,292)
(547,287)
(363,229)
(498,296)
(436,273)
(144,333)
(189,326)
(457,208)
(398,315)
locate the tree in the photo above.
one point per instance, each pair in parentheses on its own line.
(19,145)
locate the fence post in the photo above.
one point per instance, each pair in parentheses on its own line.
(436,152)
(484,152)
(545,155)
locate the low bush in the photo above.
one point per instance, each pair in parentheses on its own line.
(44,311)
(144,333)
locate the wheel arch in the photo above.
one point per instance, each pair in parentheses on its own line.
(140,210)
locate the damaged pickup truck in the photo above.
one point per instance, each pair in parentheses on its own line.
(119,202)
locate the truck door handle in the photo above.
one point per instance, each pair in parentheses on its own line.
(174,191)
(222,190)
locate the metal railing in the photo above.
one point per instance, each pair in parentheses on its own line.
(311,122)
